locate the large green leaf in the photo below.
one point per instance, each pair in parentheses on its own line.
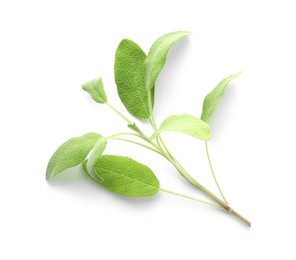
(157,56)
(186,124)
(71,153)
(213,98)
(95,88)
(125,176)
(94,155)
(129,78)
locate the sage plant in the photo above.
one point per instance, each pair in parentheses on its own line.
(136,76)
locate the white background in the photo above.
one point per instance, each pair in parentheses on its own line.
(49,48)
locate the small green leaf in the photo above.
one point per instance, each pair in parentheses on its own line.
(95,88)
(157,56)
(129,78)
(71,153)
(213,98)
(125,176)
(186,124)
(135,128)
(94,155)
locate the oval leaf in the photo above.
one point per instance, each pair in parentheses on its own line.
(157,56)
(71,153)
(94,155)
(186,124)
(95,88)
(129,78)
(213,98)
(126,176)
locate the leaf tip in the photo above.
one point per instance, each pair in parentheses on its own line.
(184,34)
(48,176)
(87,85)
(95,88)
(237,74)
(187,32)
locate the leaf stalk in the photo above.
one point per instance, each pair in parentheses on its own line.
(162,149)
(213,173)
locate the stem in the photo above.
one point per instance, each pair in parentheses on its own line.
(214,176)
(191,198)
(126,133)
(167,154)
(120,114)
(240,217)
(155,128)
(188,177)
(158,137)
(141,134)
(152,123)
(137,143)
(166,148)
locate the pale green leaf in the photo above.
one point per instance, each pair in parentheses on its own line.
(95,88)
(186,124)
(126,176)
(71,153)
(135,128)
(94,155)
(213,98)
(129,78)
(157,56)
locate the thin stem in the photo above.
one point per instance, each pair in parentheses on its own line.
(152,123)
(137,143)
(159,140)
(213,174)
(155,145)
(141,135)
(155,128)
(191,198)
(120,114)
(239,216)
(137,135)
(166,148)
(125,133)
(188,177)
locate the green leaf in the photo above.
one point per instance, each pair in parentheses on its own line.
(213,98)
(157,56)
(126,176)
(186,124)
(84,168)
(134,127)
(95,88)
(129,78)
(71,153)
(94,155)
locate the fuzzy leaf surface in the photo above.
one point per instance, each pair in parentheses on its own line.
(95,88)
(213,98)
(129,78)
(126,176)
(94,155)
(186,124)
(158,54)
(71,153)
